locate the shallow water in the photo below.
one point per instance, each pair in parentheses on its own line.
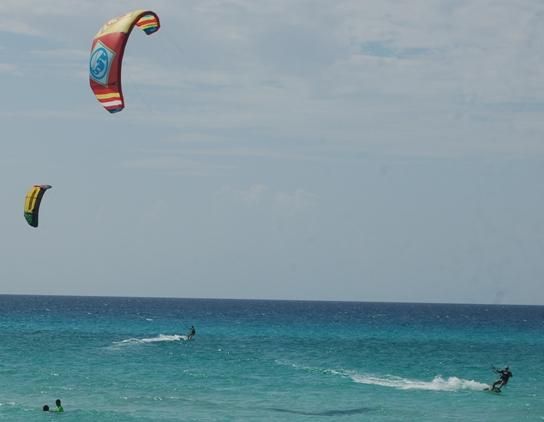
(128,359)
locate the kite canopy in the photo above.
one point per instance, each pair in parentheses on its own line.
(107,53)
(32,203)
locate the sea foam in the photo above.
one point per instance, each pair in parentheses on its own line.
(158,339)
(437,384)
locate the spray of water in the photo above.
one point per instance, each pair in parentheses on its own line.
(158,339)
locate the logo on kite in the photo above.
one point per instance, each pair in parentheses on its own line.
(99,66)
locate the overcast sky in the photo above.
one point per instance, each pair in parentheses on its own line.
(337,150)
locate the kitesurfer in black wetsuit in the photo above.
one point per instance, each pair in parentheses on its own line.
(505,375)
(191,333)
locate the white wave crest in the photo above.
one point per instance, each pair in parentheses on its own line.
(159,338)
(437,384)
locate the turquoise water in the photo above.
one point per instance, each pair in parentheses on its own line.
(121,359)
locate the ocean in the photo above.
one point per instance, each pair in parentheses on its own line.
(128,359)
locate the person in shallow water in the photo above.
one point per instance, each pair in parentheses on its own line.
(505,375)
(59,406)
(191,333)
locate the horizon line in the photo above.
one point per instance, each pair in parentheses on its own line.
(267,300)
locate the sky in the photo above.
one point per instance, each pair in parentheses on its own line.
(308,150)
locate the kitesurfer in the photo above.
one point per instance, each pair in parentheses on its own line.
(191,333)
(505,375)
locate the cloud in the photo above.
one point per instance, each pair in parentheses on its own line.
(295,201)
(378,77)
(63,53)
(259,195)
(384,48)
(252,195)
(138,71)
(30,9)
(48,115)
(8,68)
(212,150)
(171,164)
(19,27)
(27,17)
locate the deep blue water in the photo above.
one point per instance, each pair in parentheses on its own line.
(127,359)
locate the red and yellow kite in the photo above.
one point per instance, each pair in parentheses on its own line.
(107,55)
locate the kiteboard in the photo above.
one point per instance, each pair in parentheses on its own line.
(492,389)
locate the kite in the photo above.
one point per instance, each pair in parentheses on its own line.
(32,203)
(107,52)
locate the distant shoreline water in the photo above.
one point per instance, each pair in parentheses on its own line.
(267,300)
